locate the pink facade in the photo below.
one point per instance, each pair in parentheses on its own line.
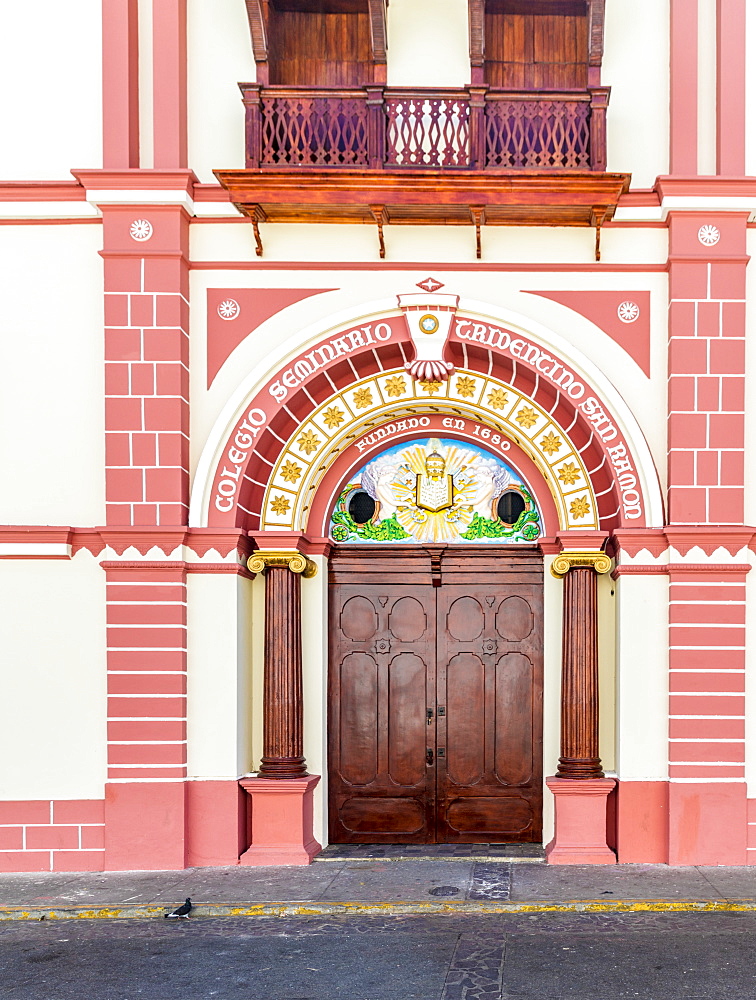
(207,365)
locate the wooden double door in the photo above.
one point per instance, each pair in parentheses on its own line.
(435,694)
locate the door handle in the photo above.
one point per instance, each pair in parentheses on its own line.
(429,756)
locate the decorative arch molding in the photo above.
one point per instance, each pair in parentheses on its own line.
(377,411)
(491,347)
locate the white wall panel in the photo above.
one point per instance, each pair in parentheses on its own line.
(53,708)
(428,43)
(636,67)
(219,704)
(51,82)
(51,375)
(219,58)
(642,677)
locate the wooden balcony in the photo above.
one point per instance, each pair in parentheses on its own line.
(393,155)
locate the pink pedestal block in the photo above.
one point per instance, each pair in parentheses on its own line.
(708,823)
(145,826)
(580,822)
(280,821)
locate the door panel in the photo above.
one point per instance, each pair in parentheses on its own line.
(408,620)
(493,692)
(358,618)
(465,619)
(384,624)
(435,694)
(406,719)
(465,746)
(358,749)
(514,703)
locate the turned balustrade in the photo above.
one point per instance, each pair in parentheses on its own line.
(378,128)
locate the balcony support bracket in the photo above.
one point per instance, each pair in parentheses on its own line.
(478,216)
(257,215)
(380,214)
(598,218)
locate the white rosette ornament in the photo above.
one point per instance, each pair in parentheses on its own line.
(429,319)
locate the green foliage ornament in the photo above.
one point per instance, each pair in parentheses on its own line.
(345,529)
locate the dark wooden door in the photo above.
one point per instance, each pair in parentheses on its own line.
(435,695)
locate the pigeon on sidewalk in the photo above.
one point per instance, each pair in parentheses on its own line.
(181,911)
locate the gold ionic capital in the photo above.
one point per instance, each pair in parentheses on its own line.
(565,561)
(258,562)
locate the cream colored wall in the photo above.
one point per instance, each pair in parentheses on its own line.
(219,57)
(642,677)
(428,43)
(552,687)
(750,681)
(636,67)
(146,79)
(53,708)
(315,689)
(607,608)
(51,376)
(51,82)
(258,668)
(219,675)
(750,402)
(707,86)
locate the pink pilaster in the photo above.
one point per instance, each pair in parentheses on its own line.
(683,97)
(708,823)
(707,271)
(145,794)
(120,84)
(580,822)
(147,361)
(280,821)
(731,87)
(169,83)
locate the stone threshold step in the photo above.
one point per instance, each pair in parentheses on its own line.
(489,858)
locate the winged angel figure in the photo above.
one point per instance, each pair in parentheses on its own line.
(435,490)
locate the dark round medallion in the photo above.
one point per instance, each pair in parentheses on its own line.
(361,507)
(510,506)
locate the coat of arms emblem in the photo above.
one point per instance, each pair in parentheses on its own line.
(435,491)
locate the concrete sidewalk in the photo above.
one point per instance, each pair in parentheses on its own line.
(397,884)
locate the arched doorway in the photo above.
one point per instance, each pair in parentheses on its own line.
(286,448)
(436,650)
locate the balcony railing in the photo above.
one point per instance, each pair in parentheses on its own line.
(391,128)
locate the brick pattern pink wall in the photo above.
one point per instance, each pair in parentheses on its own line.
(57,835)
(146,367)
(706,370)
(146,622)
(707,673)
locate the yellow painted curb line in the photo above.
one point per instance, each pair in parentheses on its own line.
(142,911)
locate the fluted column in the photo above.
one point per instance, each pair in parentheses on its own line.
(580,698)
(282,755)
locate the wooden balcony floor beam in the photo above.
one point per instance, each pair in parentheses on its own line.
(426,197)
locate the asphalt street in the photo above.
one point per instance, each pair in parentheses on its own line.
(545,956)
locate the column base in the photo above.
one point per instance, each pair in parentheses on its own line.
(280,811)
(580,822)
